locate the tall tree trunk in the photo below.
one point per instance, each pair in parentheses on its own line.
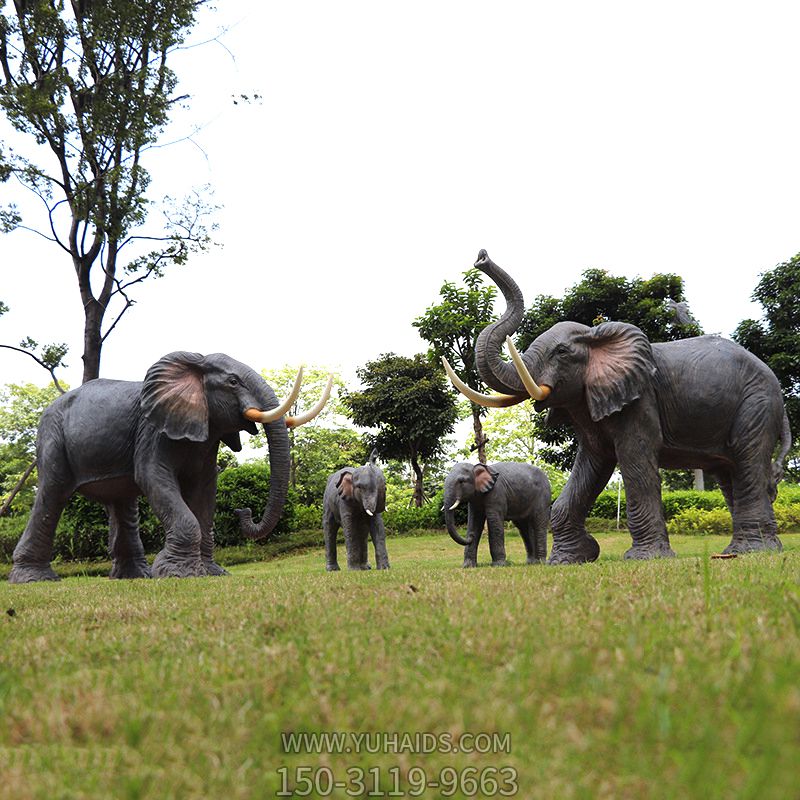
(480,439)
(92,340)
(419,494)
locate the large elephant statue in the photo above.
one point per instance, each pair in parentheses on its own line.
(699,403)
(494,493)
(355,499)
(115,440)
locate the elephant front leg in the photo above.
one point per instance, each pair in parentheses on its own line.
(497,539)
(124,541)
(475,522)
(202,500)
(378,534)
(589,476)
(330,529)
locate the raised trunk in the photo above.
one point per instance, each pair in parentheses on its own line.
(494,371)
(278,444)
(452,529)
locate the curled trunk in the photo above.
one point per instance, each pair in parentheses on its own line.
(494,371)
(452,529)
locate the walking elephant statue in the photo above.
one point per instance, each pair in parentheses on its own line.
(115,440)
(494,493)
(355,499)
(702,403)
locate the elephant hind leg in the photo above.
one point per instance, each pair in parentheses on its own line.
(124,542)
(754,525)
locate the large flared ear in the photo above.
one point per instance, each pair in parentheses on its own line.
(174,399)
(345,485)
(380,505)
(620,367)
(484,478)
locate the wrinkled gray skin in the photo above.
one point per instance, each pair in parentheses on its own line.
(355,499)
(699,403)
(495,493)
(115,440)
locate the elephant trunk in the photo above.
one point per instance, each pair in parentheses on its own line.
(278,444)
(450,522)
(494,371)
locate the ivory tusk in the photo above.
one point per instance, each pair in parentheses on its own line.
(534,390)
(301,419)
(256,415)
(369,512)
(454,506)
(490,400)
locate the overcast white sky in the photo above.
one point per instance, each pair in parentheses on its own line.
(394,140)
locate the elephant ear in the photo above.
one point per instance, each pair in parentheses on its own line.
(173,397)
(380,505)
(485,477)
(620,368)
(344,485)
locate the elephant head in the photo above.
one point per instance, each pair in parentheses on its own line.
(463,482)
(605,367)
(211,398)
(365,486)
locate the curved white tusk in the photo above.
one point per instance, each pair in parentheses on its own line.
(256,415)
(369,512)
(301,419)
(534,390)
(454,506)
(491,400)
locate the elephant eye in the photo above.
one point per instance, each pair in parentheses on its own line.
(233,381)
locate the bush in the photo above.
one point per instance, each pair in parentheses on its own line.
(11,529)
(701,522)
(788,494)
(788,517)
(675,502)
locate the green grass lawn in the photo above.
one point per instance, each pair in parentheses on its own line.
(675,678)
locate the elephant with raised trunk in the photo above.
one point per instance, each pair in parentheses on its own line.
(115,440)
(355,499)
(494,493)
(699,403)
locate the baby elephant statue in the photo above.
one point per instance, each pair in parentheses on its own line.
(495,493)
(355,499)
(112,441)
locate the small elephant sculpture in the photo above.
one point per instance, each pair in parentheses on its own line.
(115,440)
(497,492)
(355,499)
(698,403)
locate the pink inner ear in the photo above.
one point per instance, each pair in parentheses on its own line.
(483,479)
(608,361)
(346,486)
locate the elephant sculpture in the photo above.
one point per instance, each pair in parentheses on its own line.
(494,493)
(355,499)
(699,403)
(115,440)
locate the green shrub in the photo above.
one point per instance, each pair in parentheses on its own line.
(307,517)
(788,517)
(11,529)
(675,502)
(701,522)
(788,494)
(606,505)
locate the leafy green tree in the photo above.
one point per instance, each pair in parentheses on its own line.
(599,296)
(88,84)
(405,400)
(775,339)
(451,327)
(21,406)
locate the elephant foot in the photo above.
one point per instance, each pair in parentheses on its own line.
(214,569)
(167,565)
(535,560)
(742,544)
(500,562)
(358,567)
(641,552)
(383,566)
(29,573)
(578,551)
(128,570)
(469,563)
(332,567)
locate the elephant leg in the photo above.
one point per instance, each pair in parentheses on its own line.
(124,542)
(330,529)
(534,536)
(360,557)
(639,468)
(34,550)
(378,534)
(497,538)
(571,543)
(202,501)
(180,557)
(475,522)
(754,526)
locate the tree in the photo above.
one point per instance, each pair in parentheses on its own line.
(21,406)
(408,404)
(775,339)
(451,328)
(90,85)
(599,296)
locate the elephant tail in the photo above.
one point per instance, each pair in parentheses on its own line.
(786,443)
